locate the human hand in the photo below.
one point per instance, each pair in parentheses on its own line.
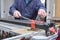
(17,14)
(42,13)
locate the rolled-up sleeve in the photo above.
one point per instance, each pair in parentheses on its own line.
(13,7)
(39,5)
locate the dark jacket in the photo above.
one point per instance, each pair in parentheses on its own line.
(27,10)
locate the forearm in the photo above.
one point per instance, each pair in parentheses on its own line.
(40,5)
(11,11)
(13,8)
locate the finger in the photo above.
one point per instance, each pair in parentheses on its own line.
(19,14)
(16,15)
(43,13)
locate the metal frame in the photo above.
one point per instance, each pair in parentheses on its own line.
(2,8)
(50,9)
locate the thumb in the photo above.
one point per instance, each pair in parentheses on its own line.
(19,14)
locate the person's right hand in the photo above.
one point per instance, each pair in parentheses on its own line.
(17,14)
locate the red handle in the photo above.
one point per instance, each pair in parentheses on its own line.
(32,24)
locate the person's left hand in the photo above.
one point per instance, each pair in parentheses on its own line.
(42,13)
